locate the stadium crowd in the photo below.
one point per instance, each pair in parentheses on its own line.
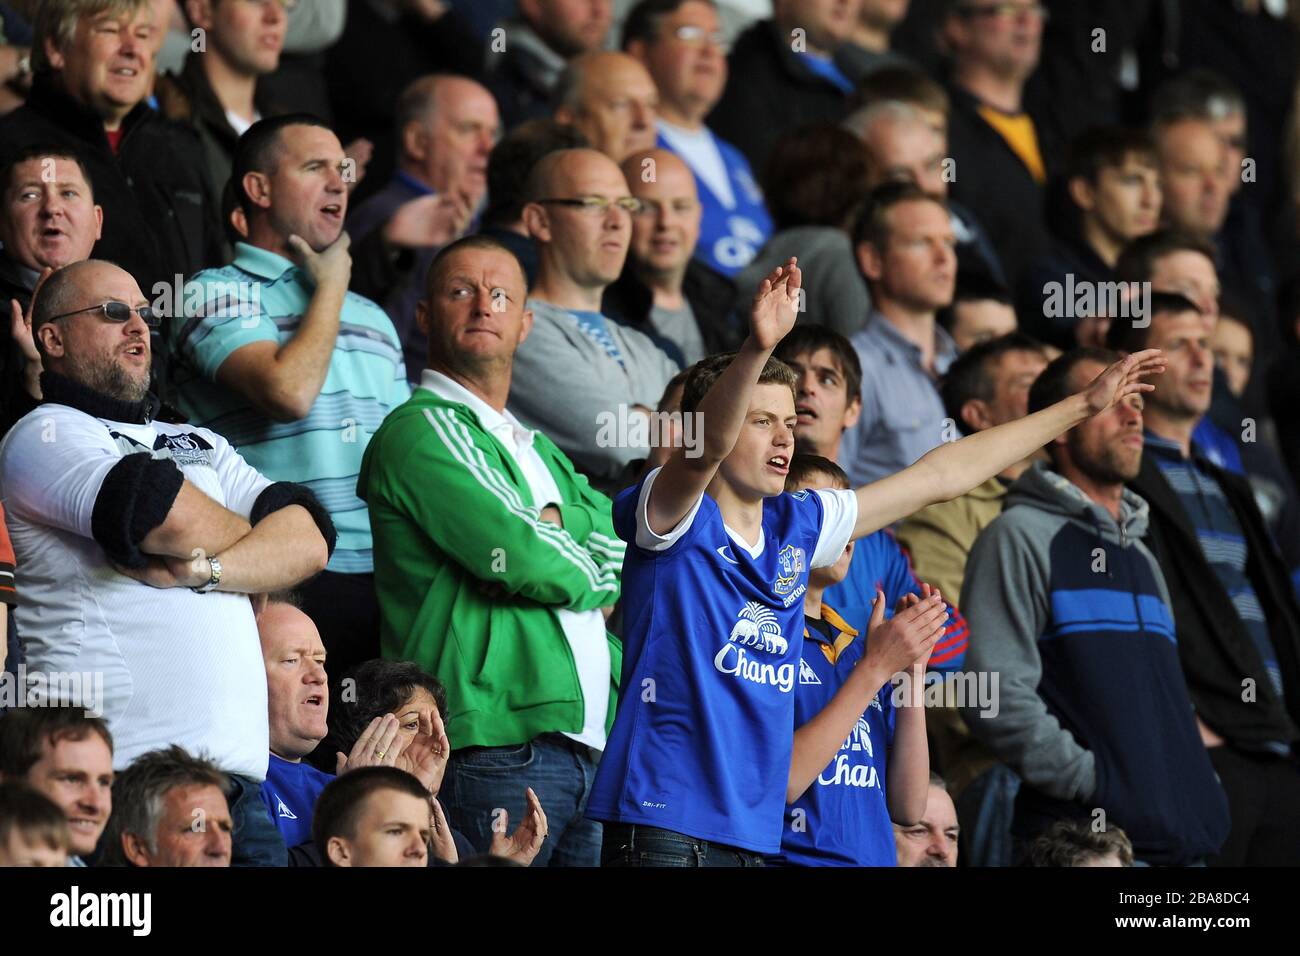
(650,432)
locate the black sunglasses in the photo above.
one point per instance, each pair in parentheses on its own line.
(118,312)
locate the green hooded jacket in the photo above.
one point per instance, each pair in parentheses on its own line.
(468,577)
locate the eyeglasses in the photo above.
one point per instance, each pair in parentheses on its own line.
(1005,10)
(118,312)
(698,36)
(598,205)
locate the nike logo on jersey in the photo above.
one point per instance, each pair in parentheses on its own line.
(724,553)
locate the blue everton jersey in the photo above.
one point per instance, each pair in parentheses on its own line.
(289,792)
(842,819)
(731,234)
(713,629)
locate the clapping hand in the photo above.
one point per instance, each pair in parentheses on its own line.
(525,843)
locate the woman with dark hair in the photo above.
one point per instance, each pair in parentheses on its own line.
(815,179)
(378,687)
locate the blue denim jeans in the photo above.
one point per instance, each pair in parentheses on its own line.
(634,845)
(985,811)
(482,781)
(256,840)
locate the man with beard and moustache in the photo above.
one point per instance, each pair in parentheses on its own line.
(276,355)
(102,500)
(1236,609)
(580,214)
(1071,609)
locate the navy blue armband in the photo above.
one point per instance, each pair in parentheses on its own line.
(134,499)
(285,493)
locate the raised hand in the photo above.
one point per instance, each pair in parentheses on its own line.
(377,746)
(1124,379)
(896,644)
(425,756)
(429,221)
(775,306)
(20,330)
(525,843)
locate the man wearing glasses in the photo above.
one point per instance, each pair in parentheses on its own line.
(681,43)
(577,373)
(1003,154)
(663,290)
(139,544)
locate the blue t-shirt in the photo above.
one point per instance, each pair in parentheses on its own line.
(713,630)
(289,792)
(842,819)
(734,229)
(880,562)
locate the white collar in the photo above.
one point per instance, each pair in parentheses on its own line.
(496,422)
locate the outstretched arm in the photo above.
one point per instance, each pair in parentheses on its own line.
(722,412)
(955,468)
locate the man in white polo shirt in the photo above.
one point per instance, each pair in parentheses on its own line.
(140,543)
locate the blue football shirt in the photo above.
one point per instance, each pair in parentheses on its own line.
(713,630)
(289,792)
(842,819)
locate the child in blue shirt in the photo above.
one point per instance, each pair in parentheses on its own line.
(703,757)
(845,818)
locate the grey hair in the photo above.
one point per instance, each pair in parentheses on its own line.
(893,111)
(56,21)
(139,792)
(419,100)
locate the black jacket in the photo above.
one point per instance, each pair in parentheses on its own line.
(711,296)
(994,183)
(1216,651)
(188,98)
(160,219)
(16,282)
(769,91)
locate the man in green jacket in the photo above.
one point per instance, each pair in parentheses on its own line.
(495,565)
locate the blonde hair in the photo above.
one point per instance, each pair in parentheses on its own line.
(57,20)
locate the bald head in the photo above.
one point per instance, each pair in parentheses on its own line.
(84,345)
(611,99)
(297,696)
(579,248)
(665,234)
(901,144)
(446,127)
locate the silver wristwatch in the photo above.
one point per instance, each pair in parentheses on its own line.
(214,576)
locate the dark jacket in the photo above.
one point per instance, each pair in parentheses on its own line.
(523,75)
(769,91)
(996,185)
(188,98)
(160,219)
(16,282)
(710,294)
(1062,257)
(1217,652)
(392,277)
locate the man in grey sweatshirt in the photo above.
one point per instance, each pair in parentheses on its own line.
(1070,610)
(585,381)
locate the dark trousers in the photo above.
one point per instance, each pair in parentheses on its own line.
(1264,800)
(634,845)
(346,612)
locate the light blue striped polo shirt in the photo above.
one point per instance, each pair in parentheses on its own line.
(261,297)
